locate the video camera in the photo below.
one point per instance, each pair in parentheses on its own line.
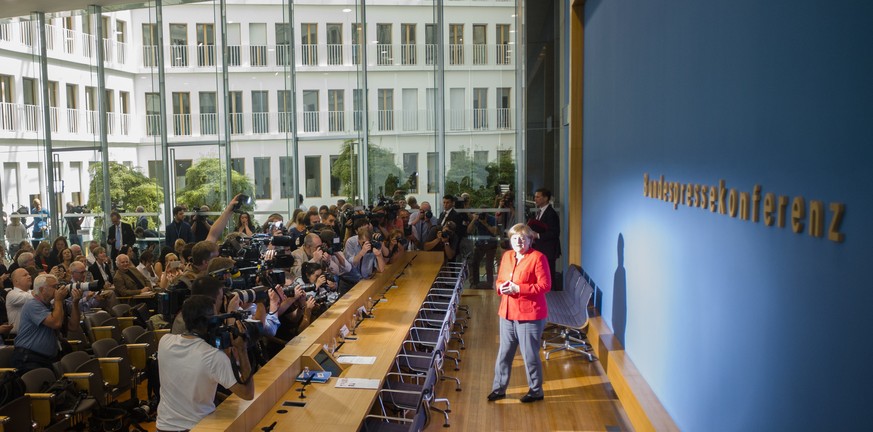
(221,335)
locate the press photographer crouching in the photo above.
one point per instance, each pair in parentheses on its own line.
(191,368)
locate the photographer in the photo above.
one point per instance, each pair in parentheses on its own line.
(191,369)
(36,344)
(443,238)
(318,288)
(94,296)
(396,248)
(74,223)
(421,222)
(200,223)
(483,231)
(364,255)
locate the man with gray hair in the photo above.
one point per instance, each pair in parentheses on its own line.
(36,344)
(20,294)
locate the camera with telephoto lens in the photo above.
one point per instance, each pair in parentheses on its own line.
(221,335)
(428,215)
(241,201)
(80,209)
(327,249)
(95,286)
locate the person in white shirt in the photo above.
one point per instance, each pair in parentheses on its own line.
(15,233)
(20,294)
(191,369)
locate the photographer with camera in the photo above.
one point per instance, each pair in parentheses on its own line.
(395,246)
(443,238)
(93,294)
(421,222)
(483,231)
(74,223)
(42,321)
(365,255)
(191,369)
(317,286)
(200,223)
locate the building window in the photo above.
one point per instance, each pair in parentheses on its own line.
(456,157)
(310,111)
(208,114)
(181,113)
(178,45)
(504,117)
(407,44)
(432,160)
(480,47)
(153,114)
(238,165)
(285,112)
(384,52)
(313,176)
(357,43)
(358,106)
(309,44)
(260,112)
(149,45)
(334,44)
(121,38)
(336,110)
(286,177)
(31,104)
(480,157)
(386,109)
(457,108)
(124,99)
(456,44)
(262,178)
(504,52)
(283,44)
(181,167)
(410,169)
(410,109)
(258,44)
(234,38)
(91,110)
(335,182)
(205,45)
(235,111)
(430,47)
(480,108)
(72,114)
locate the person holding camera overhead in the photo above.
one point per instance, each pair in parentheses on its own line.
(191,369)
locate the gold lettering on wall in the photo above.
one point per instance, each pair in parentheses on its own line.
(731,202)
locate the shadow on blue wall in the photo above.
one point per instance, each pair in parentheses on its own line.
(619,295)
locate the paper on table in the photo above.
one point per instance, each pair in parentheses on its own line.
(353,359)
(361,383)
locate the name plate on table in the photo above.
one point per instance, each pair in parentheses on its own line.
(357,383)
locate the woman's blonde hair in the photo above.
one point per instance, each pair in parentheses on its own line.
(522,230)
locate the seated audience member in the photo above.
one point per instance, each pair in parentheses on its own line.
(191,369)
(171,276)
(146,266)
(128,280)
(18,297)
(164,256)
(36,345)
(41,256)
(359,251)
(95,296)
(92,246)
(101,269)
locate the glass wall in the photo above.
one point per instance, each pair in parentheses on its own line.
(192,103)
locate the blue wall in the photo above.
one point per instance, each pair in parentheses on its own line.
(735,325)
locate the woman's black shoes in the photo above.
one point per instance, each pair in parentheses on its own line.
(493,396)
(531,397)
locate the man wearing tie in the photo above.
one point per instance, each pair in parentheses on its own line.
(547,228)
(120,234)
(450,214)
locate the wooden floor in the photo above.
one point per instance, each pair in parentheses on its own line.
(578,396)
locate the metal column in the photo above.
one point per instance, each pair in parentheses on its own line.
(291,86)
(226,96)
(96,12)
(520,152)
(47,126)
(441,107)
(363,155)
(162,114)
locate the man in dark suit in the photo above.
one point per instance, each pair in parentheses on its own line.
(451,214)
(120,234)
(178,229)
(547,226)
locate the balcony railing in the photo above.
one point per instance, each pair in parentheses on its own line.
(20,118)
(283,55)
(309,54)
(261,122)
(408,54)
(258,55)
(480,54)
(384,54)
(456,54)
(234,58)
(150,56)
(208,124)
(334,54)
(205,55)
(430,51)
(178,55)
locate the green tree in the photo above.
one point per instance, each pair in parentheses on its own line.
(480,180)
(204,184)
(128,188)
(381,168)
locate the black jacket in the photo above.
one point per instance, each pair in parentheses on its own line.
(549,242)
(128,238)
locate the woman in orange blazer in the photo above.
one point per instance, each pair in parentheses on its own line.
(523,280)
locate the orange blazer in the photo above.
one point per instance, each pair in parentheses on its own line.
(534,279)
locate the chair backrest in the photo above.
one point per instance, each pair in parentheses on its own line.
(37,380)
(124,374)
(18,413)
(132,333)
(6,356)
(99,318)
(149,338)
(96,383)
(586,291)
(103,346)
(121,310)
(72,361)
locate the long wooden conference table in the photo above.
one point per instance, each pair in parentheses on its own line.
(328,408)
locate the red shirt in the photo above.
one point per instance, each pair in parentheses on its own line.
(534,280)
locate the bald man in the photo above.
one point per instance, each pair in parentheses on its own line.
(128,280)
(20,294)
